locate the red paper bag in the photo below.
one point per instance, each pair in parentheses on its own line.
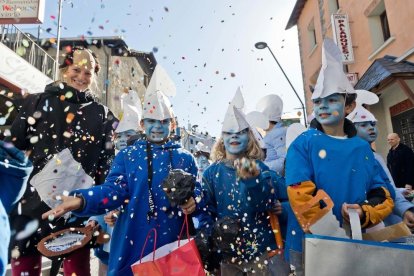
(179,258)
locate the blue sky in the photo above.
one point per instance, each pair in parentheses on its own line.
(206,46)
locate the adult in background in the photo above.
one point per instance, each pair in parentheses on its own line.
(400,162)
(65,118)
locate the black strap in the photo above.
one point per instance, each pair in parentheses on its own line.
(151,212)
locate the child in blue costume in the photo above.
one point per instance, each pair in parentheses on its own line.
(127,127)
(239,185)
(135,183)
(331,158)
(366,126)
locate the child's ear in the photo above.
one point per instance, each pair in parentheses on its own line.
(141,123)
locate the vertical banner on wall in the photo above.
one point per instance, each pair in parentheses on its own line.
(22,12)
(342,36)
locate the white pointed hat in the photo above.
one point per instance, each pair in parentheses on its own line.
(271,106)
(361,114)
(156,103)
(235,119)
(132,112)
(363,97)
(332,78)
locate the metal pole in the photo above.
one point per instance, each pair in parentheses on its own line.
(58,40)
(294,90)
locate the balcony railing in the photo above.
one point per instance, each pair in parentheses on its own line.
(27,48)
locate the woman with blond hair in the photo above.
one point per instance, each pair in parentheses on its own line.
(64,120)
(238,190)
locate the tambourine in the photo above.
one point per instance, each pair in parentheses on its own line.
(66,241)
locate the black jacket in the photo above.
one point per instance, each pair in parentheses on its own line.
(349,127)
(400,162)
(60,118)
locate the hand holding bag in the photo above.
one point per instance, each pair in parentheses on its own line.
(179,258)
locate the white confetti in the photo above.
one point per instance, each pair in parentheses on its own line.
(34,139)
(28,230)
(31,120)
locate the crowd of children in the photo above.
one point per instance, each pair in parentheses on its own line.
(249,191)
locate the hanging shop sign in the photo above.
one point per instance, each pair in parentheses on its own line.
(342,36)
(22,11)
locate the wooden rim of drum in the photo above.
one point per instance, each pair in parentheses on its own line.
(87,231)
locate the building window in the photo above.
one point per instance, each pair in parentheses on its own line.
(384,25)
(379,28)
(191,141)
(311,35)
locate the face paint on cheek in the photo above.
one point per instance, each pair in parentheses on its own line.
(367,132)
(330,110)
(236,143)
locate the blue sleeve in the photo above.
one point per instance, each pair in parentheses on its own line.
(401,205)
(108,196)
(207,215)
(298,165)
(15,169)
(192,168)
(260,190)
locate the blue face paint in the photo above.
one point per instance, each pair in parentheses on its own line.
(157,131)
(236,143)
(329,110)
(202,163)
(122,138)
(367,131)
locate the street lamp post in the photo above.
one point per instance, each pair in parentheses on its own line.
(262,45)
(58,40)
